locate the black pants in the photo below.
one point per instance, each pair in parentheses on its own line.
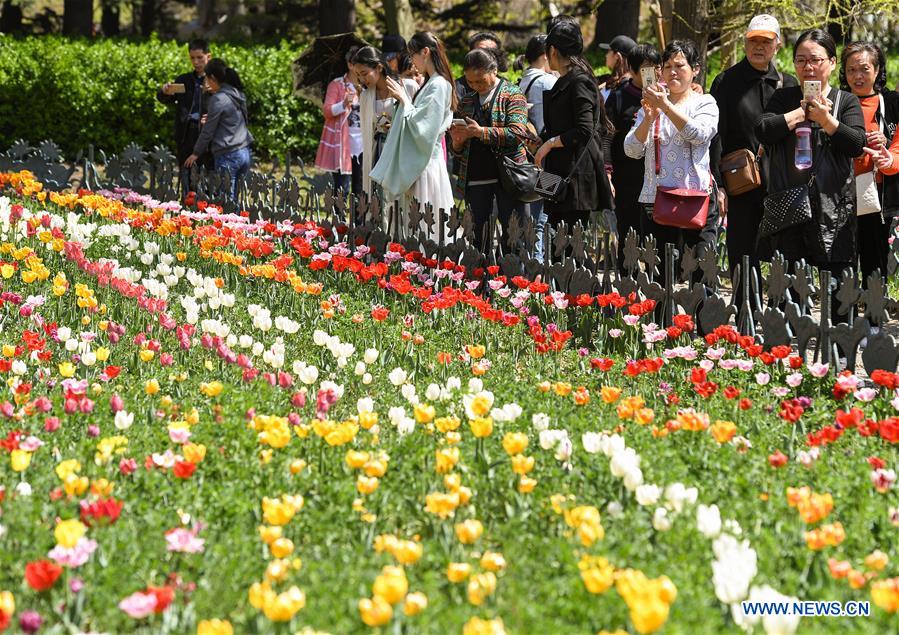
(629,215)
(480,201)
(744,214)
(873,245)
(185,149)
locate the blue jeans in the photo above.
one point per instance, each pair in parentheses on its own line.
(539,216)
(236,163)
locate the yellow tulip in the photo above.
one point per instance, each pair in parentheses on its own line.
(458,571)
(391,584)
(215,627)
(415,603)
(469,531)
(7,603)
(281,547)
(481,426)
(20,460)
(67,369)
(515,443)
(69,532)
(375,611)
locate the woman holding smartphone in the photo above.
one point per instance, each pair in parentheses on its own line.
(412,166)
(673,133)
(376,106)
(835,126)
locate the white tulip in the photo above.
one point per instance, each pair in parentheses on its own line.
(370,356)
(475,384)
(365,404)
(540,421)
(648,494)
(660,519)
(308,375)
(432,393)
(123,419)
(89,358)
(319,337)
(367,379)
(360,368)
(397,376)
(590,441)
(406,426)
(708,520)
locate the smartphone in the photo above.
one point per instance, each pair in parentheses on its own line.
(648,75)
(460,122)
(811,89)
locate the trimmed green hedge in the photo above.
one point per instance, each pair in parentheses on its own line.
(78,92)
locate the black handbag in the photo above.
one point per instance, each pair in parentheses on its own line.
(518,180)
(553,187)
(786,209)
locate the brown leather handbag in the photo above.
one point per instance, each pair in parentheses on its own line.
(681,207)
(740,170)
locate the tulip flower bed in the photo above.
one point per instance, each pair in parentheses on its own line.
(217,425)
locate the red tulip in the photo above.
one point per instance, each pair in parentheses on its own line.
(42,574)
(778,459)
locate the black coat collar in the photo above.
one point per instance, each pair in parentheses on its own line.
(748,72)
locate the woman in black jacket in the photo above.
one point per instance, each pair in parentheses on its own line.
(575,119)
(863,72)
(828,241)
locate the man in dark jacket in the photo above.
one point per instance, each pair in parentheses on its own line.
(186,92)
(742,92)
(627,174)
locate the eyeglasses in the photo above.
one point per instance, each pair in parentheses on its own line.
(814,62)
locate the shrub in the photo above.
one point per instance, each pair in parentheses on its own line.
(78,92)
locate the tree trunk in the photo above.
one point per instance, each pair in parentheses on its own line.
(836,19)
(398,14)
(690,22)
(206,13)
(616,17)
(148,10)
(109,23)
(336,16)
(78,17)
(11,18)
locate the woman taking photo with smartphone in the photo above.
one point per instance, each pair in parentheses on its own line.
(376,106)
(811,135)
(412,164)
(673,132)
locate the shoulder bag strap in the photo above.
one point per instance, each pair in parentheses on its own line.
(530,84)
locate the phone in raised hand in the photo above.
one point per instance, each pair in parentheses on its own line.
(648,76)
(811,90)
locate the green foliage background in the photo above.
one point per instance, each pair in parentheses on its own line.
(77,92)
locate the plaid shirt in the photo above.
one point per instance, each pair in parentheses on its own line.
(508,117)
